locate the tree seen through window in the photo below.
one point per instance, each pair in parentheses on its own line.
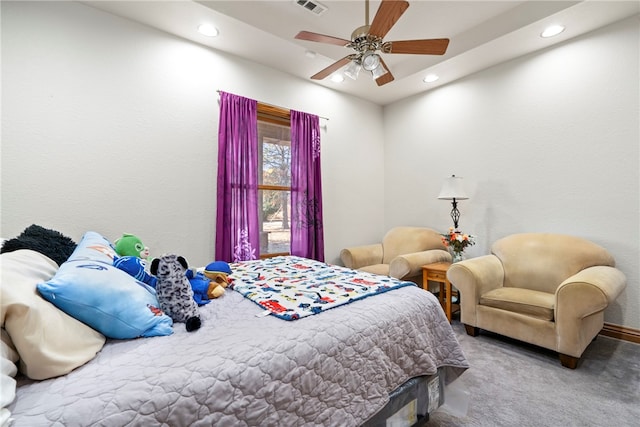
(274,189)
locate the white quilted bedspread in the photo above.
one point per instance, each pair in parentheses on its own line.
(332,369)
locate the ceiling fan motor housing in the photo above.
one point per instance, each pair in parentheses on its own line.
(365,45)
(360,33)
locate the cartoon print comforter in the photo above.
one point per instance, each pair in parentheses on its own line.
(332,369)
(291,287)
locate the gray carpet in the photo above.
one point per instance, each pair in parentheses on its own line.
(515,384)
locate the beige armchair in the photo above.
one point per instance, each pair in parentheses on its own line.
(402,253)
(549,290)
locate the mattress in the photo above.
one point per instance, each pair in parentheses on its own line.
(338,367)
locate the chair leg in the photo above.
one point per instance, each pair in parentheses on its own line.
(569,361)
(472,330)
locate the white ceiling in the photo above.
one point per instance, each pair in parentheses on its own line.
(482,33)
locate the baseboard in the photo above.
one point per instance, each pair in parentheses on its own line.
(621,332)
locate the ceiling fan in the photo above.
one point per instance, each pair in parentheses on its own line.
(366,41)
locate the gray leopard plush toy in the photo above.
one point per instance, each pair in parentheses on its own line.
(174,291)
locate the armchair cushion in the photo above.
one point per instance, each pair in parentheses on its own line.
(526,301)
(381,269)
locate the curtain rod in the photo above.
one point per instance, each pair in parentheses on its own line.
(276,106)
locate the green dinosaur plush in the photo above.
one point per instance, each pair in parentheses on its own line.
(130,245)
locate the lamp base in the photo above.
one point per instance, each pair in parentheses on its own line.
(455,213)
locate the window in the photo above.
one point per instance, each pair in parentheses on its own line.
(274,180)
(255,196)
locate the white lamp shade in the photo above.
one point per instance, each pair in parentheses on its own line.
(352,70)
(453,189)
(370,60)
(379,71)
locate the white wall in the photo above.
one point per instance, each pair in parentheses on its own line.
(548,142)
(111,126)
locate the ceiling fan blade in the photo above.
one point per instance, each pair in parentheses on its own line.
(331,68)
(386,77)
(321,38)
(386,16)
(420,47)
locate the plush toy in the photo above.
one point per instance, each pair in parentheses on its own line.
(204,290)
(218,272)
(136,267)
(174,290)
(200,285)
(205,286)
(130,245)
(211,283)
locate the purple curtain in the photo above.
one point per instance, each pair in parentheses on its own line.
(306,189)
(237,229)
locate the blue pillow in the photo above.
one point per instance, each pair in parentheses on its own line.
(89,288)
(95,247)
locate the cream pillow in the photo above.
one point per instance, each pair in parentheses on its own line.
(8,371)
(49,342)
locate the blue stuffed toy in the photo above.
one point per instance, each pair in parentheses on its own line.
(135,267)
(200,286)
(217,267)
(212,282)
(206,286)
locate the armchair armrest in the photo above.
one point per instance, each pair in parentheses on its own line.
(361,256)
(411,264)
(589,291)
(474,277)
(580,303)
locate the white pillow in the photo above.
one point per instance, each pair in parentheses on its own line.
(49,342)
(8,370)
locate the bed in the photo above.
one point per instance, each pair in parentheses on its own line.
(339,365)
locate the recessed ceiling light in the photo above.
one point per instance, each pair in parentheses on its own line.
(552,30)
(208,30)
(430,78)
(338,78)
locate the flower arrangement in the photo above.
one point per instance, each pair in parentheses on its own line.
(457,241)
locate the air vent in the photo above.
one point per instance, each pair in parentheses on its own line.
(312,6)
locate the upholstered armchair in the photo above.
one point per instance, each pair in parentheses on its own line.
(401,254)
(549,290)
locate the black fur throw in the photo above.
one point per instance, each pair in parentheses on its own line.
(48,242)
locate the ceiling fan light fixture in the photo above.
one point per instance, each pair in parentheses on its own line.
(370,60)
(352,70)
(337,78)
(379,71)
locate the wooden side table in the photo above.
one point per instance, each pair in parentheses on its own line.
(437,272)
